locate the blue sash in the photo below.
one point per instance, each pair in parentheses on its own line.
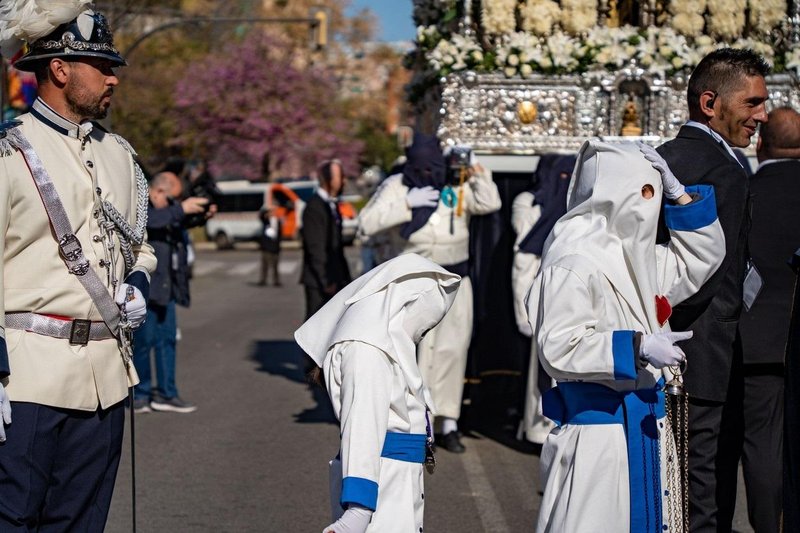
(638,411)
(408,447)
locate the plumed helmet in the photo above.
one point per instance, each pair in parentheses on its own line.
(68,29)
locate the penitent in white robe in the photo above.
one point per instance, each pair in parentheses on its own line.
(597,286)
(370,397)
(364,339)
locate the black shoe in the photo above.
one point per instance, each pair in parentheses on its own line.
(452,442)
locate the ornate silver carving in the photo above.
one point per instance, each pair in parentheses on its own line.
(481,109)
(68,42)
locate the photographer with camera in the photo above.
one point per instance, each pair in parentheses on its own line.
(426,210)
(198,182)
(167,220)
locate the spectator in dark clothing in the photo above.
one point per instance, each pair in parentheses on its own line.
(169,285)
(325,269)
(270,246)
(774,237)
(726,98)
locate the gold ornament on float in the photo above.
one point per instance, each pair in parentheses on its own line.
(630,119)
(526,111)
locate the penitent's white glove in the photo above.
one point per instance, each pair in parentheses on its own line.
(525,328)
(659,349)
(354,520)
(672,187)
(5,412)
(135,305)
(422,197)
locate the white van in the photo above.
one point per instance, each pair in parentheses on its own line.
(237,218)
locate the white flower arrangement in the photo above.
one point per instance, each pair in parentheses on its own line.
(793,59)
(578,16)
(766,14)
(498,16)
(726,18)
(539,16)
(567,40)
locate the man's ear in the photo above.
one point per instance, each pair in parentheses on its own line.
(707,101)
(58,69)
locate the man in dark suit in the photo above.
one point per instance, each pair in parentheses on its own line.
(726,99)
(774,236)
(325,269)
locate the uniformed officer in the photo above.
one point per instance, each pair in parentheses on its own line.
(74,275)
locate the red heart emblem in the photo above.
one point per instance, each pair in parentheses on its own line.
(663,309)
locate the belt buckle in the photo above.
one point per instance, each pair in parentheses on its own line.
(79,332)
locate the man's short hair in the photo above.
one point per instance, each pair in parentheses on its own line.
(780,136)
(722,71)
(325,170)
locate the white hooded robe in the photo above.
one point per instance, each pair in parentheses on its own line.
(369,363)
(604,466)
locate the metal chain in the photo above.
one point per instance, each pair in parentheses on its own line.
(669,446)
(685,461)
(129,236)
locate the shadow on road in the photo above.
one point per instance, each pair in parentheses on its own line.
(493,412)
(285,358)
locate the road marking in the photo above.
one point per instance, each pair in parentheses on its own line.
(205,267)
(486,502)
(288,267)
(244,269)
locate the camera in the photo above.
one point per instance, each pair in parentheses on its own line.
(460,157)
(201,185)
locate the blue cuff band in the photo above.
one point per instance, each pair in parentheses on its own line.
(698,214)
(624,358)
(361,491)
(139,280)
(4,368)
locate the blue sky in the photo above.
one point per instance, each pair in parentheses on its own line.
(394,16)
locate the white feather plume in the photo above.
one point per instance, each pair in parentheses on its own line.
(26,21)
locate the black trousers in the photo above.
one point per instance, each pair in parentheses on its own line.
(269,263)
(58,466)
(762,449)
(315,299)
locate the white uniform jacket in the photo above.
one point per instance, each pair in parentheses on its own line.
(370,397)
(387,210)
(584,325)
(34,278)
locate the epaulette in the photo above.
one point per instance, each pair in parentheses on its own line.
(6,148)
(125,144)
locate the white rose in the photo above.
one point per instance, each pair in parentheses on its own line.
(677,62)
(513,60)
(526,70)
(510,72)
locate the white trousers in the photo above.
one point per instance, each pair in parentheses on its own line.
(442,354)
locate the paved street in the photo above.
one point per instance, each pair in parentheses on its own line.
(253,457)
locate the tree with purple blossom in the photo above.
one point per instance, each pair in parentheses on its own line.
(256,98)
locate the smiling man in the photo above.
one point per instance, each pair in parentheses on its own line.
(727,94)
(73,206)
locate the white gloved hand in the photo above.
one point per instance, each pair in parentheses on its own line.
(659,349)
(672,187)
(354,520)
(135,305)
(5,411)
(525,328)
(422,197)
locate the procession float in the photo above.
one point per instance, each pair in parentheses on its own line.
(528,77)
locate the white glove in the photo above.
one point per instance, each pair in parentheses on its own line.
(5,411)
(525,328)
(354,520)
(135,305)
(672,187)
(422,197)
(659,349)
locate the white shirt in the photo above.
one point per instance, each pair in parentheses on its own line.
(716,136)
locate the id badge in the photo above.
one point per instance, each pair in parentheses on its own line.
(753,283)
